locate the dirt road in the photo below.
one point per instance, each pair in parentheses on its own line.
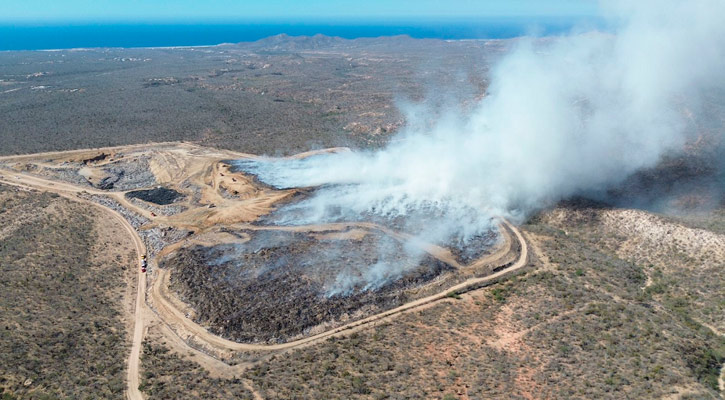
(69,191)
(175,317)
(138,325)
(172,316)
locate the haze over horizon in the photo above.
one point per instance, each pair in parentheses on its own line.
(573,116)
(46,24)
(84,11)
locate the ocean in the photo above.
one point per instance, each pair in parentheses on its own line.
(40,37)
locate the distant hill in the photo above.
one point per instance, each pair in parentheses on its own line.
(291,43)
(287,43)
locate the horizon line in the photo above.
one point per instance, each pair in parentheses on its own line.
(332,21)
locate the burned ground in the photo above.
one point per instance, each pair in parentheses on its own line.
(297,210)
(582,324)
(464,250)
(472,249)
(160,195)
(279,285)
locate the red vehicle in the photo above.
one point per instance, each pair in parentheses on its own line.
(143,263)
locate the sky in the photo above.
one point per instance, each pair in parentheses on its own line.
(63,11)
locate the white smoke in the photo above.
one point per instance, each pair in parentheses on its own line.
(562,116)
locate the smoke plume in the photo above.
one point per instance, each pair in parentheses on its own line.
(562,116)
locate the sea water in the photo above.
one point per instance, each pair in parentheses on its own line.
(65,36)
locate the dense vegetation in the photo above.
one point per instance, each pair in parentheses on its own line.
(61,332)
(165,375)
(605,313)
(270,97)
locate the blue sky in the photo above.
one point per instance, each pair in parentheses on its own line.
(43,11)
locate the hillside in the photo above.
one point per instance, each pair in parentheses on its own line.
(65,302)
(592,320)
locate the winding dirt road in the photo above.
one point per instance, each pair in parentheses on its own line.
(70,192)
(173,316)
(138,325)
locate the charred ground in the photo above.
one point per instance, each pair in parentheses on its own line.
(279,285)
(160,195)
(619,303)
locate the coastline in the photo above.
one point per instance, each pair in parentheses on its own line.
(185,36)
